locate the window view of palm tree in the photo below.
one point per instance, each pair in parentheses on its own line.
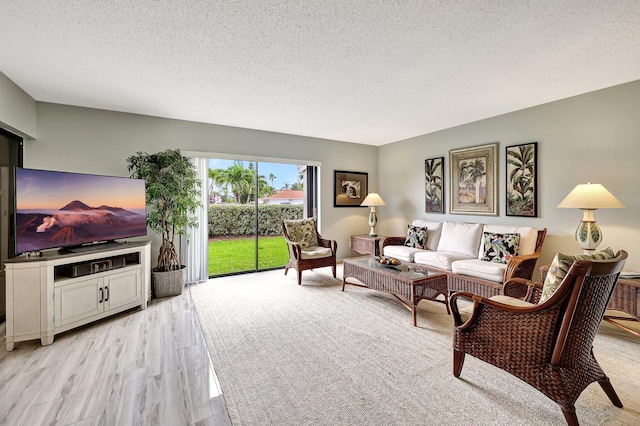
(247,201)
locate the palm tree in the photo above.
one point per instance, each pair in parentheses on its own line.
(217,177)
(272,177)
(463,182)
(239,179)
(476,172)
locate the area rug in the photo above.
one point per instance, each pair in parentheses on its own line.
(310,354)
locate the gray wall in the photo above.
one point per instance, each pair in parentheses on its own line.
(17,109)
(594,137)
(96,141)
(589,138)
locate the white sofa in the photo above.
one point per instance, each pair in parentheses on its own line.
(457,248)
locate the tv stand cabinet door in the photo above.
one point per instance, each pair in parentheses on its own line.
(78,301)
(124,288)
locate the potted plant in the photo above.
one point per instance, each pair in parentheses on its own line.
(172,189)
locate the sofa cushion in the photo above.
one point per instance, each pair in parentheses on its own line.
(302,231)
(400,252)
(439,259)
(500,248)
(315,252)
(434,229)
(561,265)
(491,271)
(416,237)
(462,238)
(528,237)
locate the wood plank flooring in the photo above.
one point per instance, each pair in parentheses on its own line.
(146,367)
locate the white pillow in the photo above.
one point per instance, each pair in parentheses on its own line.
(461,237)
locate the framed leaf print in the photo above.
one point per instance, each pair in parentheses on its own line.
(522,185)
(434,185)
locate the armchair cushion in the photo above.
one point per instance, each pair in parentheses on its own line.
(560,266)
(302,231)
(500,248)
(315,252)
(416,237)
(467,310)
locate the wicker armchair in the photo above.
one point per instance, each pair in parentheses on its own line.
(316,252)
(548,345)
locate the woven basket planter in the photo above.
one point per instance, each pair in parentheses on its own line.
(169,283)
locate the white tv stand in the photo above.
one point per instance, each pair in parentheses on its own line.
(59,291)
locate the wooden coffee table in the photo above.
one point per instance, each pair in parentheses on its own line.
(409,284)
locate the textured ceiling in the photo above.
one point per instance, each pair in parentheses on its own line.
(363,71)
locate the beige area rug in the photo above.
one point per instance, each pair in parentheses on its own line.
(312,355)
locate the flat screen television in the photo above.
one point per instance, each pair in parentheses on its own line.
(66,210)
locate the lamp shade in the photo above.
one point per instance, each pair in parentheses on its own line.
(373,199)
(590,196)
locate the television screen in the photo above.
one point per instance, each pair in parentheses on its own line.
(61,209)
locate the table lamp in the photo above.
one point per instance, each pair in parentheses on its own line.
(372,200)
(589,197)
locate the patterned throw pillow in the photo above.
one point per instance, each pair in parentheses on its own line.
(416,237)
(302,231)
(560,266)
(500,248)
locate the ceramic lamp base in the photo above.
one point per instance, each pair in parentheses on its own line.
(588,234)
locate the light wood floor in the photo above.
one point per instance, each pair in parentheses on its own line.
(146,367)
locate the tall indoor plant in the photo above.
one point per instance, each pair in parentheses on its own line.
(172,188)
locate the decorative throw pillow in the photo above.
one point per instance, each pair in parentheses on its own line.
(416,237)
(302,231)
(561,265)
(500,248)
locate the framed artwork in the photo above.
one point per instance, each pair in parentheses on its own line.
(434,185)
(473,180)
(522,179)
(349,188)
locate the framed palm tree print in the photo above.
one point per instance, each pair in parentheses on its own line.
(473,180)
(522,185)
(434,185)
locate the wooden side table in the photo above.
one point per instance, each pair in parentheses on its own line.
(625,298)
(364,244)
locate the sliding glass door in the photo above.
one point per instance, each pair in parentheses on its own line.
(247,201)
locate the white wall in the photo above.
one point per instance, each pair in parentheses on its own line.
(593,137)
(96,141)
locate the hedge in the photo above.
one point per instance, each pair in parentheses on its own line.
(239,219)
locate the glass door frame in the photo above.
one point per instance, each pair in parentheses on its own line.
(312,200)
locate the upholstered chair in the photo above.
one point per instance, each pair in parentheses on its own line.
(547,339)
(307,248)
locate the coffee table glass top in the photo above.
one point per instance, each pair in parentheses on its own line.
(403,270)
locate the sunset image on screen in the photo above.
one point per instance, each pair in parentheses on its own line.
(60,209)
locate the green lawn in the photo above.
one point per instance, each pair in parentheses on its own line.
(238,254)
